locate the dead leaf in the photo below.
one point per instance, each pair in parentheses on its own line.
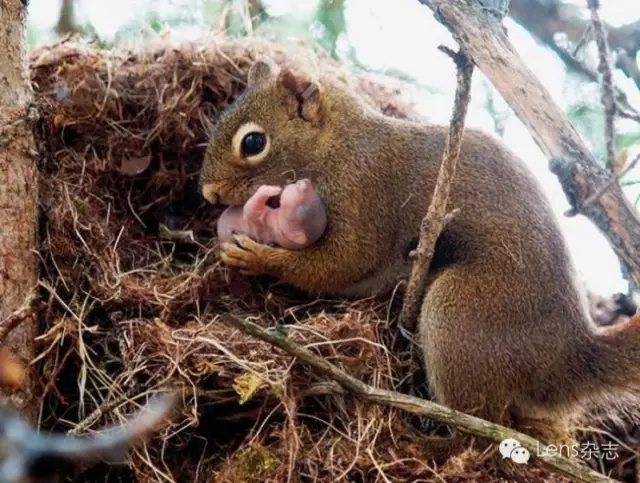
(135,165)
(12,372)
(246,385)
(620,162)
(176,235)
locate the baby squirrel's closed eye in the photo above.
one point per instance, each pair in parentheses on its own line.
(274,202)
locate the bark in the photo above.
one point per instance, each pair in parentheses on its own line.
(18,197)
(583,180)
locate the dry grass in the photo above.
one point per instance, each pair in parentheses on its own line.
(128,310)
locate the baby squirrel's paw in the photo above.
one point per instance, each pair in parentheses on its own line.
(250,256)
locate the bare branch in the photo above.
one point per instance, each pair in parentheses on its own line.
(26,311)
(66,19)
(623,108)
(616,179)
(546,18)
(437,217)
(604,68)
(464,422)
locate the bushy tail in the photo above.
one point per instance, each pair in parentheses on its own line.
(607,363)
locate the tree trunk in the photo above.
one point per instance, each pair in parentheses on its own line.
(18,196)
(66,19)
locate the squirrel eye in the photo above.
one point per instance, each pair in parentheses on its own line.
(253,143)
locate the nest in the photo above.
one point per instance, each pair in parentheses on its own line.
(134,290)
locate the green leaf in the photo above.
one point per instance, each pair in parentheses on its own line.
(331,20)
(627,140)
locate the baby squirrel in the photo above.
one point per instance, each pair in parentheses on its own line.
(504,326)
(297,222)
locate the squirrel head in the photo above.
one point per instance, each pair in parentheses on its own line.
(260,137)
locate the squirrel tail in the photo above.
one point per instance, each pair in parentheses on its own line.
(609,361)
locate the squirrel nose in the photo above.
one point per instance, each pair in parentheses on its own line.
(210,194)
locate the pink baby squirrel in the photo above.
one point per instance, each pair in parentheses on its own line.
(298,221)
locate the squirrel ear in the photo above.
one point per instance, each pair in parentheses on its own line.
(305,92)
(262,69)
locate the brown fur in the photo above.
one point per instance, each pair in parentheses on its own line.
(504,326)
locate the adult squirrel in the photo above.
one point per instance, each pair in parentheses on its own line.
(504,325)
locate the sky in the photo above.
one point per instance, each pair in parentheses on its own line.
(403,35)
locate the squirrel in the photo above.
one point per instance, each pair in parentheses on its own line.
(611,310)
(504,326)
(296,222)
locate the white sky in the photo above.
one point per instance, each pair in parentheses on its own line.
(403,35)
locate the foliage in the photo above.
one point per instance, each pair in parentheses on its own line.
(327,25)
(587,115)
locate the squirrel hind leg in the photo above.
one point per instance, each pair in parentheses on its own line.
(483,358)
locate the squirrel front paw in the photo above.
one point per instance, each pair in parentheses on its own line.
(252,257)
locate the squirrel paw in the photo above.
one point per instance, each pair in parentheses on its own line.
(250,256)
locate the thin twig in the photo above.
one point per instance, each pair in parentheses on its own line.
(586,36)
(608,99)
(466,423)
(25,312)
(437,216)
(611,182)
(623,107)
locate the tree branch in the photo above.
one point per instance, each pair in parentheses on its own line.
(437,217)
(25,312)
(483,39)
(624,109)
(466,423)
(608,101)
(545,18)
(66,19)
